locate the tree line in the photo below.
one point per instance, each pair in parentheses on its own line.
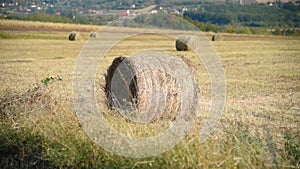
(281,15)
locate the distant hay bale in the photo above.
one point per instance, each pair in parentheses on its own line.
(216,37)
(182,43)
(148,88)
(75,36)
(93,35)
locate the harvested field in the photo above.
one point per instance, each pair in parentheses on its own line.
(259,128)
(13,25)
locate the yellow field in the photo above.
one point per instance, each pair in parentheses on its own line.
(259,128)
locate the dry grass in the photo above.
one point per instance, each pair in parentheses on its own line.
(259,128)
(14,25)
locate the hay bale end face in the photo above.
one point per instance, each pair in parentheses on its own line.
(182,43)
(147,88)
(75,36)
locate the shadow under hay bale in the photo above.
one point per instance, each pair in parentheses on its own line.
(75,36)
(148,88)
(216,37)
(182,43)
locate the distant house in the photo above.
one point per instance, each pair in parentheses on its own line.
(153,12)
(247,2)
(100,12)
(185,9)
(175,11)
(124,13)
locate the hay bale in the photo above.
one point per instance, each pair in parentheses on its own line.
(182,43)
(216,37)
(75,36)
(149,88)
(93,35)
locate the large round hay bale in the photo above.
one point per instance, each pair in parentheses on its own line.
(216,37)
(182,43)
(75,36)
(148,88)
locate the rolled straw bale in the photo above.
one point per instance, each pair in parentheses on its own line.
(216,37)
(182,43)
(75,36)
(93,35)
(150,87)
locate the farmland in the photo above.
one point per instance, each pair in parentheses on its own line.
(39,129)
